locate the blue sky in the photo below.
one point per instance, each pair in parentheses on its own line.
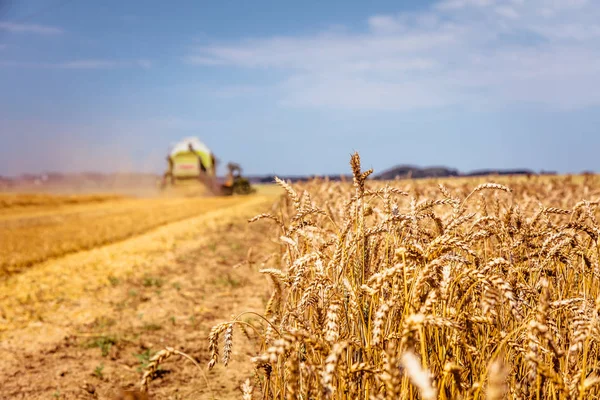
(296,87)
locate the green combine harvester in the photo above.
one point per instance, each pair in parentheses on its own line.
(192,160)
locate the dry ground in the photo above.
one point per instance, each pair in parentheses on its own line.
(81,325)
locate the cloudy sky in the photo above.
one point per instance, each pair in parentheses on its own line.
(296,87)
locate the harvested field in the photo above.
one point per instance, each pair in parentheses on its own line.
(34,228)
(18,200)
(83,325)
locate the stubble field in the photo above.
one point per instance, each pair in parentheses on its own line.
(34,228)
(455,289)
(93,285)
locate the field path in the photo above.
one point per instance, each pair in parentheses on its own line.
(80,326)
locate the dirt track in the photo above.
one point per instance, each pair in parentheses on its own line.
(81,326)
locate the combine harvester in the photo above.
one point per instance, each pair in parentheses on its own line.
(191,160)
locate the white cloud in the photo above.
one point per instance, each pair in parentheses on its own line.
(321,52)
(85,64)
(236,91)
(457,52)
(458,4)
(349,92)
(383,24)
(30,28)
(507,12)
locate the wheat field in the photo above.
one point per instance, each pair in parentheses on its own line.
(424,290)
(479,288)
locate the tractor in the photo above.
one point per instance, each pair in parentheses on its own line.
(235,183)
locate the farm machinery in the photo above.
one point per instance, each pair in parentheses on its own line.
(235,183)
(191,160)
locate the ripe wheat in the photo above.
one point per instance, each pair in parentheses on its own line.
(429,291)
